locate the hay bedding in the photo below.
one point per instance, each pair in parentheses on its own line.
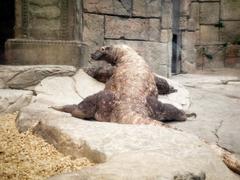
(25,156)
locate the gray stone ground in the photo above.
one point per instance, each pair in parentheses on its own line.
(132,151)
(217,107)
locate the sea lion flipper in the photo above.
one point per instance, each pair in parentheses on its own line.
(163,86)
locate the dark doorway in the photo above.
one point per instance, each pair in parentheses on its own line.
(7,21)
(176,41)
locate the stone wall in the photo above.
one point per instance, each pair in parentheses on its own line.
(209,28)
(144,25)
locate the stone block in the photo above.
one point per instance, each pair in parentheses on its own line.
(167,7)
(44,20)
(93,30)
(33,52)
(230,9)
(48,12)
(183,23)
(188,40)
(209,34)
(185,7)
(194,16)
(217,52)
(154,30)
(166,35)
(155,53)
(230,32)
(209,13)
(43,2)
(108,7)
(147,8)
(129,28)
(45,29)
(232,57)
(132,28)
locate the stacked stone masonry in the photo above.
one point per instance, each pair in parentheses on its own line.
(67,31)
(145,25)
(210,34)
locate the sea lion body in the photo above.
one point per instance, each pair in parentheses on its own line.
(131,83)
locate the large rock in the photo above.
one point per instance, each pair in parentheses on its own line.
(14,100)
(127,151)
(20,77)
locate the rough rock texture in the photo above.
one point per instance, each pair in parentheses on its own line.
(13,100)
(146,8)
(93,30)
(216,105)
(21,77)
(129,151)
(206,13)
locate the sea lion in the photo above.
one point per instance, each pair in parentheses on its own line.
(132,89)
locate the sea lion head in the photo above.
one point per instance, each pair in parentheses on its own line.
(105,53)
(111,54)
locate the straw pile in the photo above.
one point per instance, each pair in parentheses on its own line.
(25,156)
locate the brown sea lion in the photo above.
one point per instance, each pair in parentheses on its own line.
(130,87)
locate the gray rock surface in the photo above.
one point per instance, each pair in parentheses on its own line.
(216,106)
(124,151)
(127,151)
(21,77)
(14,100)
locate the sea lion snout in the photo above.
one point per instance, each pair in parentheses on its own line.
(96,55)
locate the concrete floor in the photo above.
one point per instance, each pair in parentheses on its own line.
(217,106)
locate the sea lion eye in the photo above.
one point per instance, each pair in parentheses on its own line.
(103,48)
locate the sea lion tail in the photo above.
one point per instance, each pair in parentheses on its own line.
(66,108)
(191,115)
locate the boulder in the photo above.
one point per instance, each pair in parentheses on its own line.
(126,151)
(14,100)
(21,77)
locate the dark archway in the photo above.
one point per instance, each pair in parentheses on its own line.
(176,41)
(7,22)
